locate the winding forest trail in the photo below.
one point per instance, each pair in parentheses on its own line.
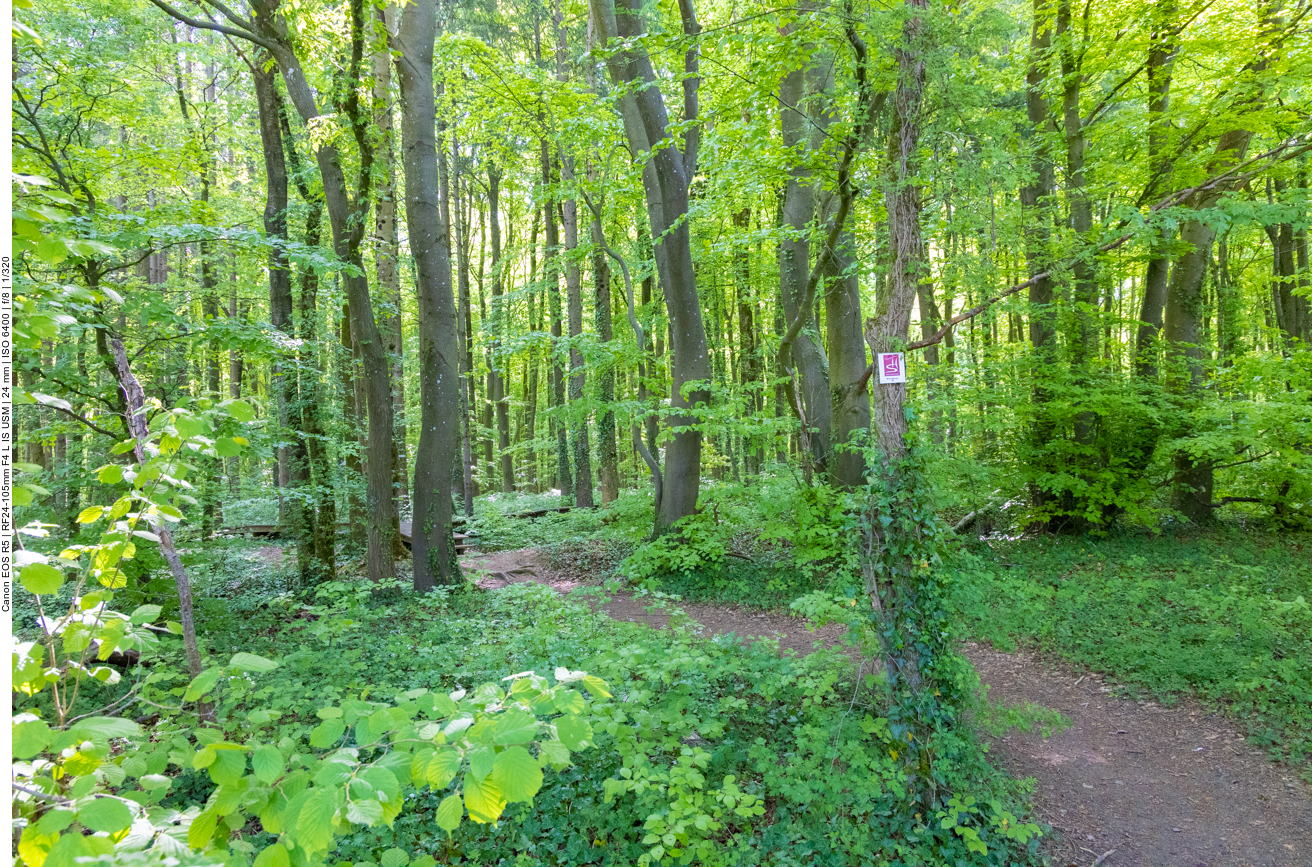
(1128,784)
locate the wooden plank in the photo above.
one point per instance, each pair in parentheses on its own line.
(405,529)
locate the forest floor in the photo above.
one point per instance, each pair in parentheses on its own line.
(1126,784)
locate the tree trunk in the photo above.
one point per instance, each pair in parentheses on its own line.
(428,220)
(1035,200)
(496,380)
(607,455)
(849,400)
(551,267)
(894,596)
(1191,489)
(386,260)
(581,445)
(749,367)
(798,211)
(665,178)
(1161,60)
(465,319)
(347,219)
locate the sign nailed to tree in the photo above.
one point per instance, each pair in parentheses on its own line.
(892,368)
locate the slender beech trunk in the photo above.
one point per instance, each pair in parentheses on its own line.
(428,220)
(1191,489)
(808,355)
(607,456)
(749,367)
(346,215)
(581,440)
(1035,198)
(311,385)
(135,399)
(1161,60)
(496,379)
(386,256)
(297,513)
(665,184)
(551,268)
(465,318)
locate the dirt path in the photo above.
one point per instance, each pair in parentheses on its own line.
(1131,783)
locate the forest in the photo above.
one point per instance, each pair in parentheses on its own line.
(654,432)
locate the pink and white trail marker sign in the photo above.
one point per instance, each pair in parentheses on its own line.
(892,368)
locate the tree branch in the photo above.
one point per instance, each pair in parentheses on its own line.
(203,24)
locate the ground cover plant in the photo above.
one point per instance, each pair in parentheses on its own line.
(1222,616)
(684,750)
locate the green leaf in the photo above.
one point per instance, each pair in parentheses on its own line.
(55,821)
(443,767)
(104,728)
(314,825)
(251,662)
(574,732)
(274,855)
(481,760)
(568,701)
(395,858)
(90,515)
(367,812)
(30,738)
(384,782)
(327,733)
(202,829)
(40,578)
(597,686)
(227,447)
(173,626)
(483,799)
(105,814)
(240,410)
(228,767)
(267,763)
(110,474)
(516,774)
(204,682)
(515,727)
(553,753)
(145,614)
(449,813)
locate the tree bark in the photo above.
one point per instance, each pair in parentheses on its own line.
(496,379)
(798,212)
(579,434)
(1161,61)
(347,219)
(749,367)
(665,185)
(551,268)
(1036,200)
(607,455)
(386,245)
(297,514)
(428,220)
(1191,489)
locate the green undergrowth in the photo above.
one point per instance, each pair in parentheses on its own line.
(709,752)
(1223,616)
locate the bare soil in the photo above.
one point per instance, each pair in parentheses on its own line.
(1127,784)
